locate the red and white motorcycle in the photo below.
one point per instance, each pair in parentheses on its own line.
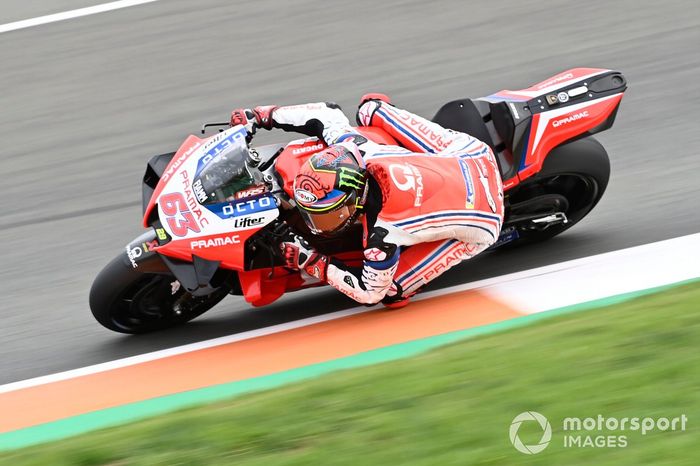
(214,212)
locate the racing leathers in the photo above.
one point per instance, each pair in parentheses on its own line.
(434,200)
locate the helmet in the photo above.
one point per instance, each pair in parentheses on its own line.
(331,188)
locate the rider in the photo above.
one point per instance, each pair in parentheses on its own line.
(425,205)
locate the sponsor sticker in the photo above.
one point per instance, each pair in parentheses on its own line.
(569,119)
(215,242)
(232,139)
(242,207)
(507,235)
(445,262)
(175,164)
(556,80)
(306,149)
(250,192)
(304,196)
(148,245)
(199,191)
(248,222)
(406,177)
(133,254)
(177,214)
(350,178)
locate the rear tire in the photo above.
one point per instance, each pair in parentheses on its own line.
(125,300)
(573,178)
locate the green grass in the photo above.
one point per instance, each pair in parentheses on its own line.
(453,405)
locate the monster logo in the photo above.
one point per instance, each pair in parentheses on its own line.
(347,177)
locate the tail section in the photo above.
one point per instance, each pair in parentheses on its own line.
(572,104)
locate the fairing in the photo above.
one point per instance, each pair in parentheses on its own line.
(572,104)
(214,231)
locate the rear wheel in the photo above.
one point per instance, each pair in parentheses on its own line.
(572,181)
(128,301)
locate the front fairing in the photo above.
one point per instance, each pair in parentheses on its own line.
(212,231)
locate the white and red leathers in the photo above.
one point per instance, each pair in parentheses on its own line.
(434,201)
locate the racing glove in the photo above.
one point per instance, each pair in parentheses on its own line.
(299,255)
(252,119)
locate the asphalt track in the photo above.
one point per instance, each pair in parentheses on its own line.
(85,102)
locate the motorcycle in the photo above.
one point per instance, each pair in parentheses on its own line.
(209,236)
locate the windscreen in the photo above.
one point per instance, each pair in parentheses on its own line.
(223,171)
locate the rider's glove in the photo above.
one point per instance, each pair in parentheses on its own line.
(299,255)
(259,117)
(246,118)
(263,115)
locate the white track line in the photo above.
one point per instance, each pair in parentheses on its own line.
(141,358)
(603,267)
(589,278)
(91,10)
(613,274)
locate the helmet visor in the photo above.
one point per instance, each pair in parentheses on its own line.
(327,223)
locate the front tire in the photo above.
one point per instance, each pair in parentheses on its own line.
(125,300)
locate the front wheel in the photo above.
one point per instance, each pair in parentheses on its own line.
(125,300)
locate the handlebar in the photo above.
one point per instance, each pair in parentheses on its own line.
(207,125)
